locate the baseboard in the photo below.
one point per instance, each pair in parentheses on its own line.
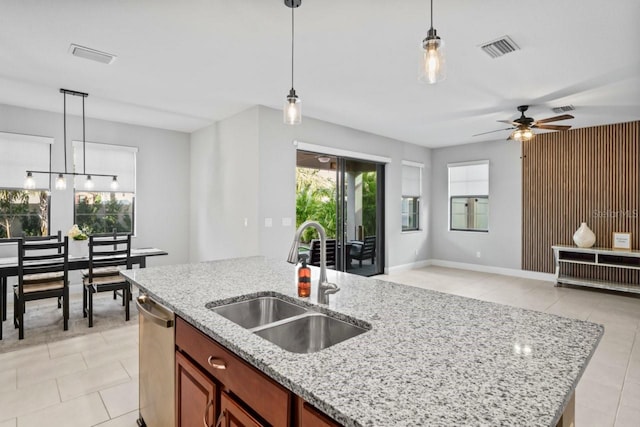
(407,267)
(547,277)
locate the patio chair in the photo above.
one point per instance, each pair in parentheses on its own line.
(364,250)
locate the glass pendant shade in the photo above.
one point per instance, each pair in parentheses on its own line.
(432,67)
(61,183)
(292,109)
(29,182)
(88,184)
(114,183)
(522,134)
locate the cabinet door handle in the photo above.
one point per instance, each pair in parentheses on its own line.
(221,417)
(216,363)
(206,414)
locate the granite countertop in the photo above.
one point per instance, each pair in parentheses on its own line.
(429,359)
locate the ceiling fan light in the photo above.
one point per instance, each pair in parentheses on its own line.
(522,134)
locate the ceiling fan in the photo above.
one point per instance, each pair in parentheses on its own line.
(523,126)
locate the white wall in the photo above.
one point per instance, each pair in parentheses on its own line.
(277,181)
(502,245)
(162,193)
(248,163)
(224,189)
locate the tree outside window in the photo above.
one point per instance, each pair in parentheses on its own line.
(24,213)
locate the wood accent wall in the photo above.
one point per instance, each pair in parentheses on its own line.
(582,175)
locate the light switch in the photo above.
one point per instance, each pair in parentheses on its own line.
(286,222)
(268,222)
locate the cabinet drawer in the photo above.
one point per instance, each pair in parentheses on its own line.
(262,394)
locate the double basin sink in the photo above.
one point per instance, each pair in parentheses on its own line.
(293,327)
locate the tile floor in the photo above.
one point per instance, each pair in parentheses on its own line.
(92,380)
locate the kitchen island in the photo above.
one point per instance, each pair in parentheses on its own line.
(429,359)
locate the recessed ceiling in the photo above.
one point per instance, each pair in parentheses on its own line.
(184,65)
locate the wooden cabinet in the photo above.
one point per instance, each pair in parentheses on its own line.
(233,415)
(247,393)
(196,395)
(308,416)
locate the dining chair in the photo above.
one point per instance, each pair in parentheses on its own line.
(51,237)
(43,272)
(331,251)
(108,253)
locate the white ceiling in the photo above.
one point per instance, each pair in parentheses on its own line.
(183,65)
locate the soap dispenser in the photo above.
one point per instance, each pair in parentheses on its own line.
(304,278)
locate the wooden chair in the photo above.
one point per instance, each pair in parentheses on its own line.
(314,252)
(52,237)
(107,254)
(43,272)
(364,250)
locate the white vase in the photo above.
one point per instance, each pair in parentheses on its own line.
(78,248)
(584,237)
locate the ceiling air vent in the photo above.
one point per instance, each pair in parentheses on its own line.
(92,54)
(563,109)
(499,47)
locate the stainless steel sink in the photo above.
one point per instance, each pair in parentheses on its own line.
(258,311)
(309,333)
(290,326)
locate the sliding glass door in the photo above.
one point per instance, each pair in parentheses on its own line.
(346,196)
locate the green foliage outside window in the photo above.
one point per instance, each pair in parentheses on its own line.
(95,213)
(23,213)
(315,201)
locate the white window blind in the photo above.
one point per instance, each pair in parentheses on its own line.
(411,181)
(106,159)
(19,153)
(469,179)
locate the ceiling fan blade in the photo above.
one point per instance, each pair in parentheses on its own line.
(555,118)
(552,127)
(492,131)
(511,122)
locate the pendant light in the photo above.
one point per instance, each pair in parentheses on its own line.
(293,105)
(432,69)
(61,183)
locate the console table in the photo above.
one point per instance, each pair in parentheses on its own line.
(600,257)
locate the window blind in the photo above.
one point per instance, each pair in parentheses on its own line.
(105,159)
(19,153)
(411,181)
(469,179)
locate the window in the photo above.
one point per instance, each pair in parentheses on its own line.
(22,212)
(469,196)
(101,209)
(411,193)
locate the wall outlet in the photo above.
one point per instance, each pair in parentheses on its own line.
(478,254)
(286,222)
(246,222)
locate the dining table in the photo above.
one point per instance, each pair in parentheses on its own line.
(9,268)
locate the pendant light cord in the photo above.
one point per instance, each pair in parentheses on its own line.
(64,121)
(292,39)
(84,145)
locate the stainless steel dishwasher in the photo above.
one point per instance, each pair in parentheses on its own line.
(157,364)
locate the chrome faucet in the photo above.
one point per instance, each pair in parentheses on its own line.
(324,288)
